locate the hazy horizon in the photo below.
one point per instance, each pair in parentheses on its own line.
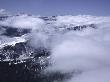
(58,7)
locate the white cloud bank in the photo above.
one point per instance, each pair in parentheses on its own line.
(87,50)
(23,21)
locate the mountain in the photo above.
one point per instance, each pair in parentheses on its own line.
(31,45)
(21,48)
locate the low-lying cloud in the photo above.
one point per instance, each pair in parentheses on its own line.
(87,50)
(23,21)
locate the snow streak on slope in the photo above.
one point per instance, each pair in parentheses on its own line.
(77,43)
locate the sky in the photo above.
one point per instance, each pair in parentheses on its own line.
(58,7)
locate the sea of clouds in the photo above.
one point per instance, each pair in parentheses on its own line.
(87,51)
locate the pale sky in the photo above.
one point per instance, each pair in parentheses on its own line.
(58,7)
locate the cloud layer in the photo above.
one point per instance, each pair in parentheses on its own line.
(85,50)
